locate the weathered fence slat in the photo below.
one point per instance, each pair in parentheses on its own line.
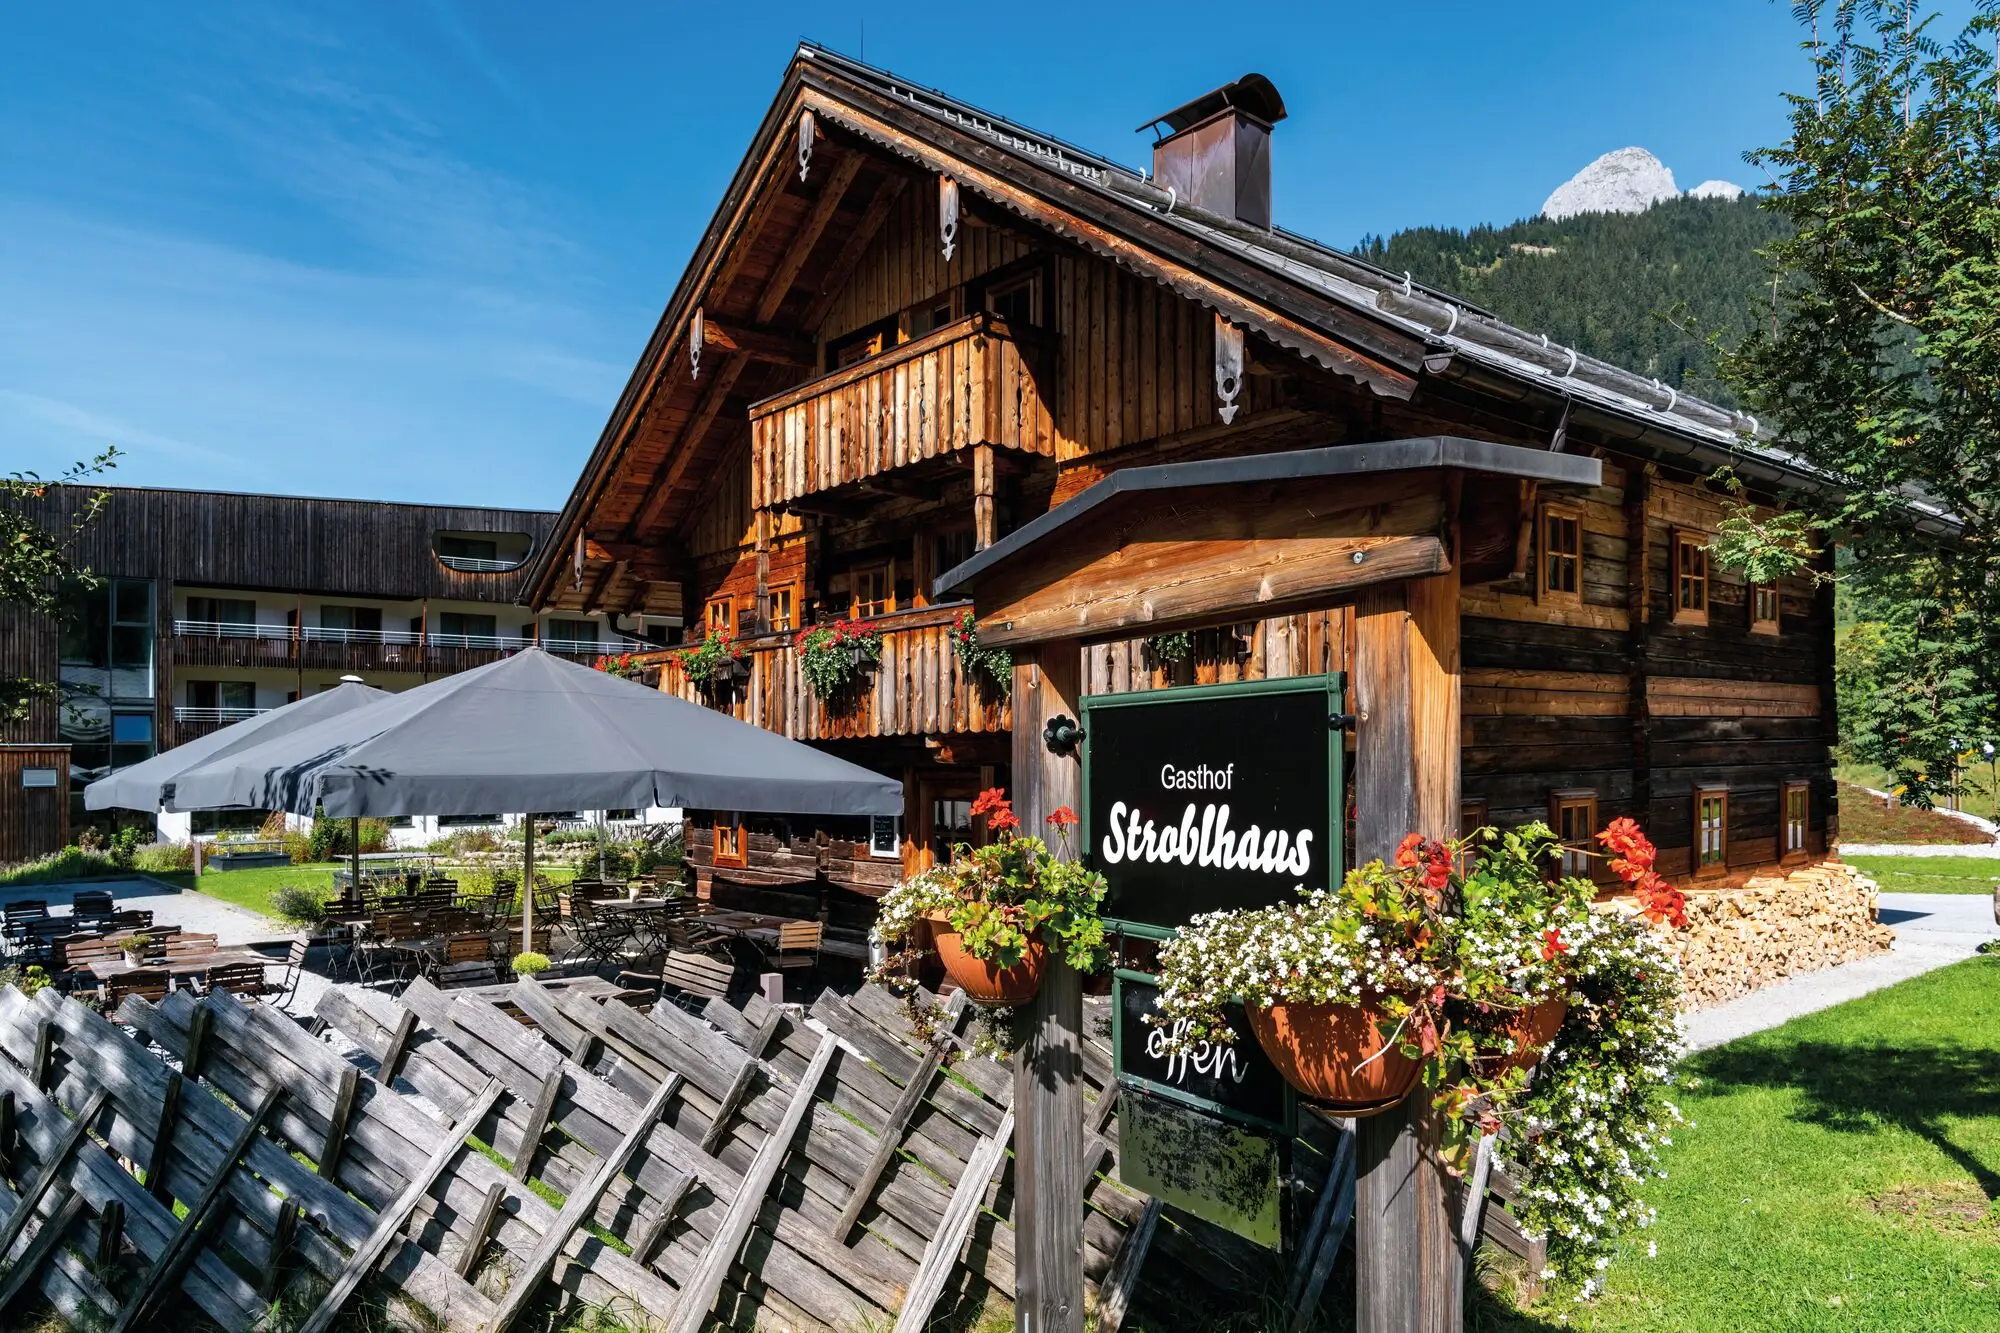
(41,1247)
(941,1256)
(336,1132)
(1313,1273)
(482,1229)
(578,1208)
(57,1163)
(698,1294)
(389,1222)
(181,1250)
(1114,1293)
(538,1122)
(891,1136)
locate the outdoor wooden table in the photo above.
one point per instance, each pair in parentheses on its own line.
(756,927)
(188,965)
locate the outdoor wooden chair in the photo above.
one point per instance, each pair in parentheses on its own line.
(287,985)
(147,984)
(71,956)
(467,961)
(190,945)
(132,919)
(19,917)
(92,909)
(695,978)
(798,945)
(243,980)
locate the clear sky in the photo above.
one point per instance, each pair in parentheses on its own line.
(411,249)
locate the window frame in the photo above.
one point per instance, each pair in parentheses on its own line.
(727,606)
(1773,624)
(1586,866)
(1545,587)
(730,821)
(789,623)
(1787,853)
(1698,866)
(886,604)
(1696,544)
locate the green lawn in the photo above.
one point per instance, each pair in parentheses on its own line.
(1930,874)
(252,888)
(1841,1174)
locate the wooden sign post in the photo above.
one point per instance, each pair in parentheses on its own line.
(1048,1069)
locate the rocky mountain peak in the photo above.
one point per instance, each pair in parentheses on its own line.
(1628,180)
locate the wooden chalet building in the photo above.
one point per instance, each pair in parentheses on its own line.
(914,328)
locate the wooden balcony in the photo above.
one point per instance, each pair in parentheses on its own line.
(973,382)
(918,690)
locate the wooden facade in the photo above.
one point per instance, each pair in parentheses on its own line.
(812,435)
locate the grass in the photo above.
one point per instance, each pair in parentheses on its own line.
(1841,1174)
(1930,874)
(253,886)
(1865,818)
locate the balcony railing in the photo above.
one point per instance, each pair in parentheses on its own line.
(283,637)
(230,629)
(197,713)
(471,564)
(972,382)
(918,689)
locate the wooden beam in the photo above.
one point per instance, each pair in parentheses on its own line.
(577,1209)
(1114,1293)
(698,1293)
(983,532)
(336,1130)
(807,237)
(482,1229)
(1048,1069)
(52,1169)
(389,1222)
(851,250)
(538,1121)
(9,1132)
(38,1069)
(941,1254)
(399,1043)
(110,1233)
(686,445)
(203,1215)
(42,1246)
(163,1132)
(759,344)
(1331,1221)
(284,1233)
(890,1138)
(647,1243)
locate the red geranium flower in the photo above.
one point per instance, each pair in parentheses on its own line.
(1552,945)
(1061,817)
(1406,852)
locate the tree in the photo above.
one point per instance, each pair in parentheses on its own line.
(35,563)
(1880,364)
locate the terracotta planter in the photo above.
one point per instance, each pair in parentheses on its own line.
(985,983)
(1533,1029)
(1329,1052)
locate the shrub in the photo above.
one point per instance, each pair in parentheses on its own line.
(329,841)
(531,964)
(69,863)
(302,905)
(27,980)
(124,848)
(164,858)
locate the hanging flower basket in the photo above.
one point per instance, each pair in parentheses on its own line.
(834,657)
(1334,1054)
(1534,1030)
(986,666)
(982,979)
(715,663)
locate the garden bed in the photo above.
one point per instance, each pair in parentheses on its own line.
(1868,818)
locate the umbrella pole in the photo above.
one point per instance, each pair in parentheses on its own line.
(528,885)
(354,854)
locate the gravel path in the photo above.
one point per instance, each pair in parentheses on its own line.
(1933,930)
(196,913)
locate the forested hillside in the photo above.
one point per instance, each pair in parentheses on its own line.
(1604,282)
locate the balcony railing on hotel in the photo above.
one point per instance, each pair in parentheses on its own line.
(973,382)
(226,643)
(469,564)
(918,689)
(194,713)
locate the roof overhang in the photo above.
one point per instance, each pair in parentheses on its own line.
(1153,549)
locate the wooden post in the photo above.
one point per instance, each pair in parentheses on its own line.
(1048,1069)
(528,885)
(1406,679)
(764,571)
(982,501)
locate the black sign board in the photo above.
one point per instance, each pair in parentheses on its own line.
(1211,797)
(1238,1080)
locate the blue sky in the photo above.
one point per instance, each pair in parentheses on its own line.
(411,250)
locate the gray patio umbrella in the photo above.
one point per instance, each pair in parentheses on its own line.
(145,786)
(533,732)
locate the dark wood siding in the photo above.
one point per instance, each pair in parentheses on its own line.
(33,821)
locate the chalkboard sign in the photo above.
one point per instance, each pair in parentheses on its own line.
(1211,797)
(1237,1080)
(1221,1172)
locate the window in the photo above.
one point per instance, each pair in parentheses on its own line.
(856,347)
(235,694)
(885,835)
(455,627)
(720,616)
(1016,300)
(950,549)
(466,821)
(1471,817)
(784,613)
(1711,830)
(570,631)
(927,317)
(1690,566)
(1573,813)
(873,591)
(468,548)
(729,843)
(349,623)
(1798,808)
(1763,608)
(1562,554)
(226,615)
(951,824)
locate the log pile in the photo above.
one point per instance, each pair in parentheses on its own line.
(1740,940)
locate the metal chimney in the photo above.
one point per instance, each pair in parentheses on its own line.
(1217,151)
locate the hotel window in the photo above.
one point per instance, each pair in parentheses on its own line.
(228,617)
(720,616)
(347,624)
(729,840)
(1711,830)
(236,695)
(784,613)
(1690,565)
(1763,608)
(1016,301)
(1798,808)
(1562,554)
(570,631)
(459,628)
(873,591)
(1573,815)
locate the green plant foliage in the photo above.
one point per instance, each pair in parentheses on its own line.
(994,666)
(833,657)
(708,662)
(300,904)
(531,964)
(36,572)
(68,863)
(162,858)
(1166,649)
(329,839)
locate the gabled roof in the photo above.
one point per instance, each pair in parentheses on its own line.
(1384,331)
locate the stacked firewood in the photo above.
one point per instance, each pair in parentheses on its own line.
(1740,940)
